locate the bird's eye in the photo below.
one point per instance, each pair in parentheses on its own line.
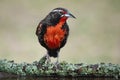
(61,12)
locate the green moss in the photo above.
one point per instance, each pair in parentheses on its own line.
(41,68)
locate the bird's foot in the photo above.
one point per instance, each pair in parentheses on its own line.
(56,64)
(47,59)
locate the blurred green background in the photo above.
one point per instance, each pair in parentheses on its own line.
(94,35)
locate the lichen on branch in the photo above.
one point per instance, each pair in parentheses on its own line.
(41,68)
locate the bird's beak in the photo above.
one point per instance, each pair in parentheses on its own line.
(69,15)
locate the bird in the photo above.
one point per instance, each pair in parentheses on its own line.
(53,32)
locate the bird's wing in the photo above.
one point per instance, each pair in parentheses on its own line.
(39,28)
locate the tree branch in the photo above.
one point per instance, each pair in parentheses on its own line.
(64,69)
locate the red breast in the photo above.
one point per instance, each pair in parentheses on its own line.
(55,34)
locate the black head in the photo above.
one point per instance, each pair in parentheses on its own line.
(56,14)
(63,12)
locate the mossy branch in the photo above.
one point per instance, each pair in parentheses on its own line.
(64,69)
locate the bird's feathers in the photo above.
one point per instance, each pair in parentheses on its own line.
(53,31)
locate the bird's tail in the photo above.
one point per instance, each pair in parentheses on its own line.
(53,53)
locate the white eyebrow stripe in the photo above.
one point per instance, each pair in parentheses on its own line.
(57,10)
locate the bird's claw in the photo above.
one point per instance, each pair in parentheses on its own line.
(56,64)
(47,58)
